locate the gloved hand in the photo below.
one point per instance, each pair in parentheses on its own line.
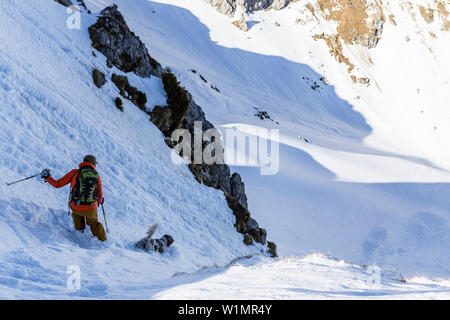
(103,201)
(45,174)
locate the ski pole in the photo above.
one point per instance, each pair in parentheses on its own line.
(104,217)
(8,184)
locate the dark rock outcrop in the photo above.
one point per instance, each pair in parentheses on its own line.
(272,249)
(195,113)
(169,118)
(111,36)
(162,119)
(257,233)
(177,99)
(241,213)
(228,7)
(83,5)
(213,175)
(129,92)
(237,188)
(217,176)
(99,78)
(69,3)
(252,224)
(182,112)
(248,239)
(119,104)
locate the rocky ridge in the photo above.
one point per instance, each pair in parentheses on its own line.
(111,36)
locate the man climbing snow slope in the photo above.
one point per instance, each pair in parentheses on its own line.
(85,195)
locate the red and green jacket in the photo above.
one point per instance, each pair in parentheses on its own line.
(71,177)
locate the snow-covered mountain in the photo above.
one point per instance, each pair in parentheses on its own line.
(359,93)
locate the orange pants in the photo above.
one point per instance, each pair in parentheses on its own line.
(80,218)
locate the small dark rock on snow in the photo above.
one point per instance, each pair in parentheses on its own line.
(272,249)
(248,239)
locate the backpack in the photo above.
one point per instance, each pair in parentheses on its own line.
(85,190)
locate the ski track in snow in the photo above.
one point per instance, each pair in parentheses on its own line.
(355,192)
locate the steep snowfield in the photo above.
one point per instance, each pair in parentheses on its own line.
(51,116)
(313,277)
(372,184)
(370,187)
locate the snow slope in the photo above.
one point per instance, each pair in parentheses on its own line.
(312,277)
(372,184)
(51,116)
